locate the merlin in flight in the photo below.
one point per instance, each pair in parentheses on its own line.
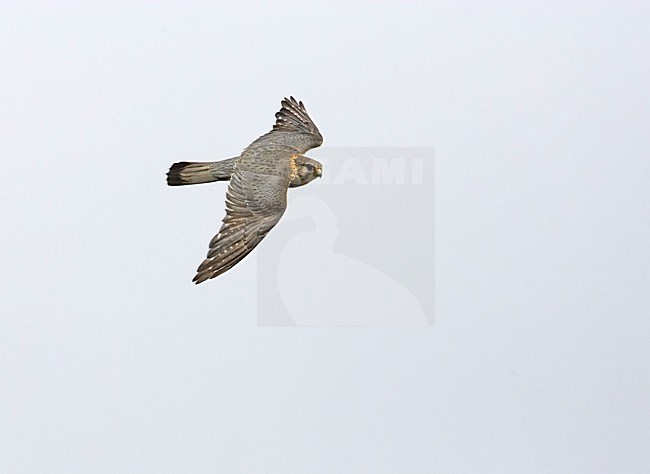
(259,179)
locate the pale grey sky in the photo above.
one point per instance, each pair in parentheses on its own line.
(112,361)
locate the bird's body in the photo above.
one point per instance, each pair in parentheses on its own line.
(259,178)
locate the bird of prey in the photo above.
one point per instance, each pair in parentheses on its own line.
(259,179)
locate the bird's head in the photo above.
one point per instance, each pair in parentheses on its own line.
(307,170)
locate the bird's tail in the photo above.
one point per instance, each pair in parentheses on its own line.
(184,172)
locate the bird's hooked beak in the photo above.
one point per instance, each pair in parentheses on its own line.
(319,172)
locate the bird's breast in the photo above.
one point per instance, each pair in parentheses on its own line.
(294,167)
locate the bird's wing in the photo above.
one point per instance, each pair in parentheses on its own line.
(255,202)
(293,127)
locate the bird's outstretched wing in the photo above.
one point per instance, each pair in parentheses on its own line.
(293,127)
(255,202)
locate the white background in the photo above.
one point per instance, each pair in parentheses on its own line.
(112,361)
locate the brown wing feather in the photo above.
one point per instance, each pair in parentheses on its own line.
(254,204)
(293,127)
